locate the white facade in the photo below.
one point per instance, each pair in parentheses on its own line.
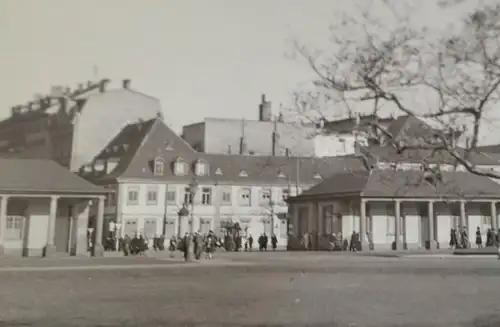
(140,207)
(333,145)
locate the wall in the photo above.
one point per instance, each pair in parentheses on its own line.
(254,216)
(103,116)
(222,133)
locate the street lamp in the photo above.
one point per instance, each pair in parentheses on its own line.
(193,188)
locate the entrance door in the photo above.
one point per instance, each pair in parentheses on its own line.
(130,228)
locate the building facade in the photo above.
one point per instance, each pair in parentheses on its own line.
(70,126)
(151,168)
(398,206)
(269,135)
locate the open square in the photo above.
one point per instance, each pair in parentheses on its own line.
(263,289)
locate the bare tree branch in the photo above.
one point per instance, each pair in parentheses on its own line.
(384,66)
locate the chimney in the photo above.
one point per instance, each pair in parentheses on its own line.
(126,84)
(264,109)
(89,84)
(103,84)
(229,149)
(287,152)
(30,106)
(80,87)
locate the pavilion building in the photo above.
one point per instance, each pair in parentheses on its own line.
(396,208)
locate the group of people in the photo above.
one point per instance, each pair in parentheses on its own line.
(492,237)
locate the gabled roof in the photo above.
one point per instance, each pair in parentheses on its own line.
(148,142)
(402,184)
(42,176)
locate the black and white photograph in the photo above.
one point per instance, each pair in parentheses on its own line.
(232,163)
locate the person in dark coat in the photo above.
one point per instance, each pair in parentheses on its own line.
(172,246)
(210,245)
(185,246)
(479,238)
(265,241)
(250,242)
(453,239)
(274,242)
(126,245)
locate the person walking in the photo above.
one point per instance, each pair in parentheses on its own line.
(479,239)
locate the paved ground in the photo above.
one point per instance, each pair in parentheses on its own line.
(280,289)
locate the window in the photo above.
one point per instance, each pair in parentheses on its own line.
(14,227)
(150,227)
(284,195)
(283,228)
(152,196)
(133,196)
(171,196)
(226,197)
(180,168)
(265,197)
(206,195)
(245,197)
(170,229)
(159,166)
(201,168)
(188,197)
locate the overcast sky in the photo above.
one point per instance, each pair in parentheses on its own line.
(200,58)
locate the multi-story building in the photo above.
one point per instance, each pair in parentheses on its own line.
(151,168)
(266,136)
(70,126)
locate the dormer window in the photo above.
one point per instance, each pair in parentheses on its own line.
(111,165)
(125,147)
(201,168)
(243,174)
(115,148)
(99,165)
(218,172)
(87,168)
(317,176)
(158,166)
(180,167)
(281,174)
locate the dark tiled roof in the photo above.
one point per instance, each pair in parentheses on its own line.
(390,154)
(42,176)
(403,184)
(411,183)
(150,140)
(340,184)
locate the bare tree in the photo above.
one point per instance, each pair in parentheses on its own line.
(383,66)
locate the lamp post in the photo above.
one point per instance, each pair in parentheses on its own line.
(193,188)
